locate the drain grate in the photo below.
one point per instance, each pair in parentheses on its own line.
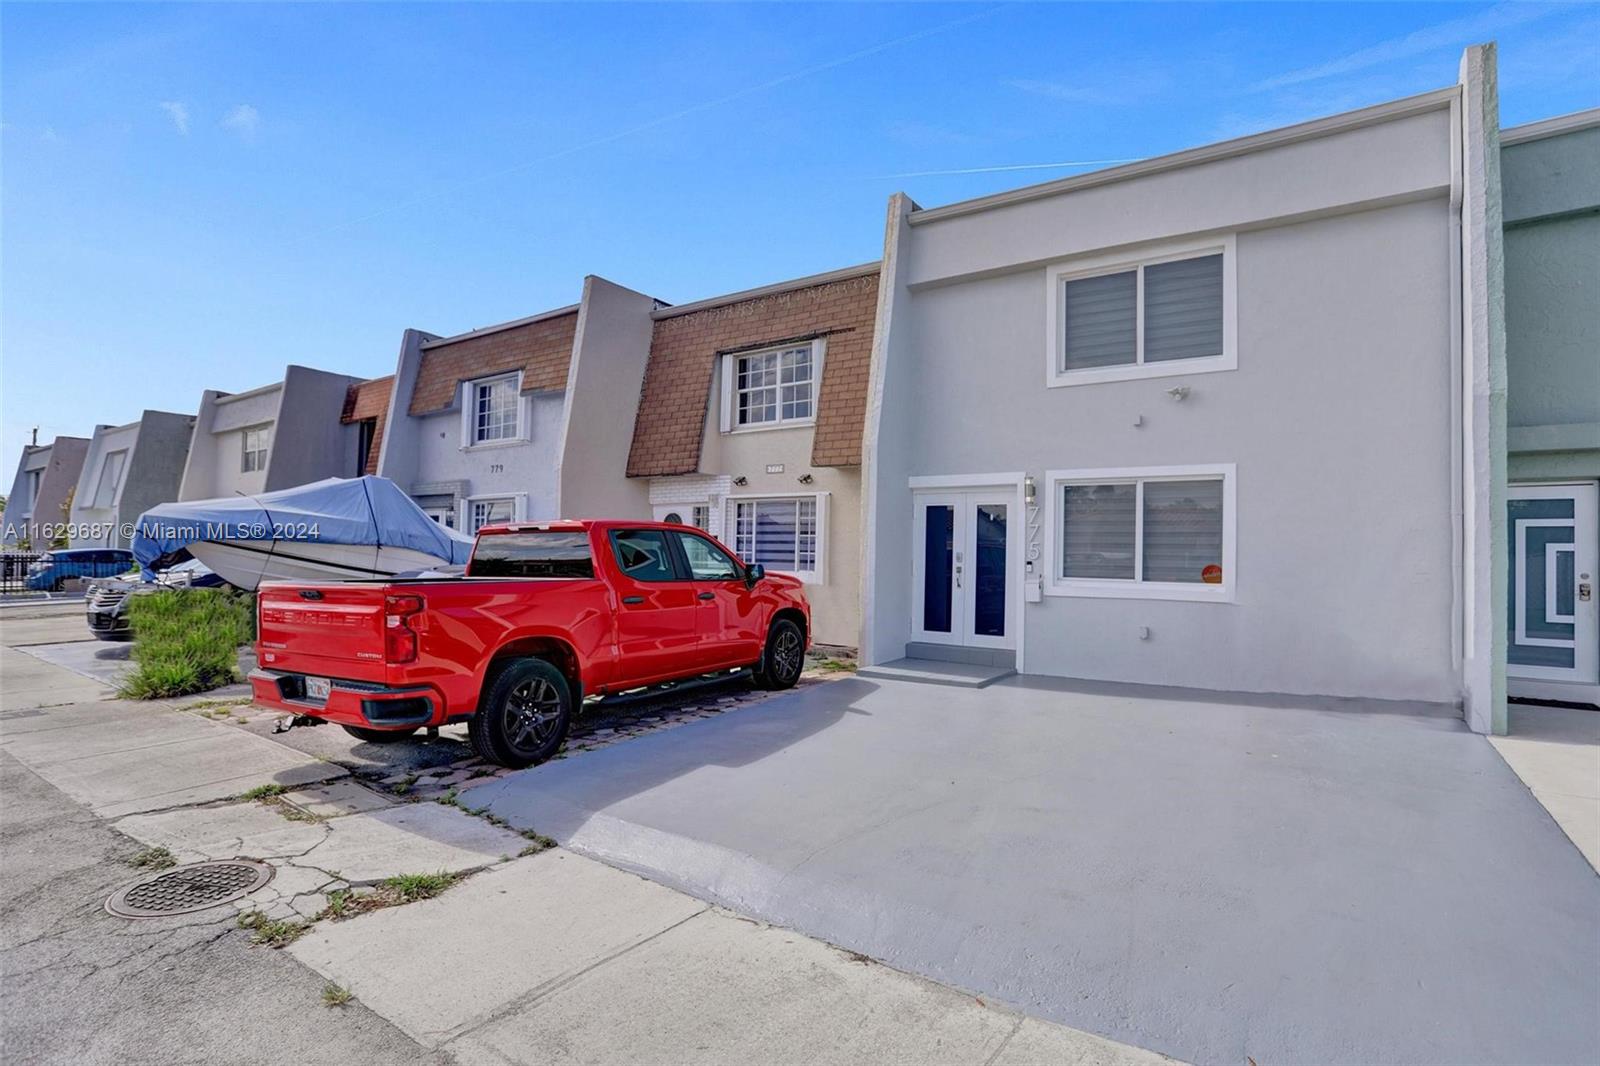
(189,888)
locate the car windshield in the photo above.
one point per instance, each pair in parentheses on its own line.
(547,553)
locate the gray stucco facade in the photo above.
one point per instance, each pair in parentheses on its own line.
(38,508)
(294,425)
(1551,176)
(1345,414)
(127,470)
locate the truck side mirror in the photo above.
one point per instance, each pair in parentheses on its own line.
(753,573)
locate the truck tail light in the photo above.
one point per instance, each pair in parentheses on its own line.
(399,639)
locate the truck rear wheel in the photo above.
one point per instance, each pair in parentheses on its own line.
(524,715)
(785,656)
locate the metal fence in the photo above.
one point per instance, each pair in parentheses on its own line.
(14,570)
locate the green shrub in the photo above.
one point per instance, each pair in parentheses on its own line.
(187,641)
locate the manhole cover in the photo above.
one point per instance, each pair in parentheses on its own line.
(189,888)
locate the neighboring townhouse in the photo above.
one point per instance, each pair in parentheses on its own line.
(275,437)
(524,420)
(1223,419)
(127,470)
(1550,174)
(38,508)
(366,407)
(750,426)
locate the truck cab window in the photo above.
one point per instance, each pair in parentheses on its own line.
(707,562)
(643,554)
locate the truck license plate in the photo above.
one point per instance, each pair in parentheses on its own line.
(317,688)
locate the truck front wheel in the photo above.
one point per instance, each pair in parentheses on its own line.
(785,656)
(523,718)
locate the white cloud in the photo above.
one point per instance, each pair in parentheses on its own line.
(243,120)
(1456,33)
(179,114)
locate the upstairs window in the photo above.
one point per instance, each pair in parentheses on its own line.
(494,404)
(771,388)
(105,492)
(1170,313)
(256,444)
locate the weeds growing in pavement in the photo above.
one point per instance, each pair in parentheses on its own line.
(186,641)
(157,858)
(273,932)
(261,792)
(336,995)
(412,887)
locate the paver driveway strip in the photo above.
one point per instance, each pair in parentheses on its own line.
(1211,879)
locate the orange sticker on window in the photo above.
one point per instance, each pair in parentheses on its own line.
(1212,575)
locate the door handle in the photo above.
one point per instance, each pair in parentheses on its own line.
(633,599)
(708,595)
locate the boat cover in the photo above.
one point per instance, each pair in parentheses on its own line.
(363,510)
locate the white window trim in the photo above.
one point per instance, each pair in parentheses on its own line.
(1094,266)
(728,375)
(245,449)
(730,517)
(469,414)
(1127,589)
(519,508)
(116,486)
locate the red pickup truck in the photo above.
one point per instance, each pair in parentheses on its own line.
(547,614)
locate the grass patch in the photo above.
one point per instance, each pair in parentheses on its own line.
(273,932)
(186,641)
(336,995)
(261,792)
(837,666)
(412,887)
(393,892)
(157,858)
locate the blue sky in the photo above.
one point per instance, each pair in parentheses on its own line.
(194,196)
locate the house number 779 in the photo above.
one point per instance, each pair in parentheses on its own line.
(497,468)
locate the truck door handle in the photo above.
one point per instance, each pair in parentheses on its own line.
(708,595)
(633,599)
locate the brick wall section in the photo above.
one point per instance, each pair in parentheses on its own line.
(369,399)
(683,354)
(541,350)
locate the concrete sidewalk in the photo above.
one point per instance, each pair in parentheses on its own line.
(1556,752)
(559,959)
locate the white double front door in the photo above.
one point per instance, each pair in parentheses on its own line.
(1553,633)
(965,548)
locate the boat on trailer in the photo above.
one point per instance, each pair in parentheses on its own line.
(339,529)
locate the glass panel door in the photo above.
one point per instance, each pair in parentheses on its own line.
(962,582)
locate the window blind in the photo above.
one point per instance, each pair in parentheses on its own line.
(1099,314)
(1182,529)
(1183,309)
(1098,530)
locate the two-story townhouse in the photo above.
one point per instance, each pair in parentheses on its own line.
(520,420)
(1550,177)
(273,437)
(38,509)
(366,407)
(1223,419)
(127,470)
(750,426)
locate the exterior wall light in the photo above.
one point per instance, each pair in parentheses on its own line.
(806,479)
(1030,491)
(741,480)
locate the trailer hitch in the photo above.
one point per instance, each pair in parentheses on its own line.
(287,722)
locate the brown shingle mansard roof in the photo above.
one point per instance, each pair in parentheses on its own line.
(540,347)
(686,342)
(369,399)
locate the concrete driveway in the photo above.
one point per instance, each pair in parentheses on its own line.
(1211,879)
